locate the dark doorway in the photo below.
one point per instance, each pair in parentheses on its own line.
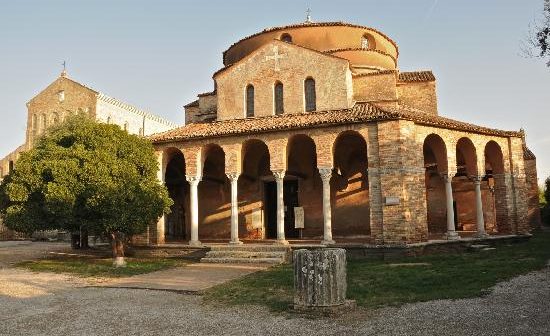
(290,198)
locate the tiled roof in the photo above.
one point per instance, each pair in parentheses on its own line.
(211,93)
(332,51)
(375,73)
(194,103)
(360,113)
(527,154)
(416,76)
(311,24)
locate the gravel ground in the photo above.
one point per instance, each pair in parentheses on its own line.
(16,251)
(59,305)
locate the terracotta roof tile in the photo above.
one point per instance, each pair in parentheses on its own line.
(332,51)
(528,154)
(194,103)
(311,24)
(416,76)
(360,113)
(375,73)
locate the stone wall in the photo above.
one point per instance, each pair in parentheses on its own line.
(420,95)
(375,87)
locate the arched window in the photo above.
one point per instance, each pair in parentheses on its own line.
(249,100)
(286,38)
(44,122)
(34,124)
(126,126)
(367,42)
(278,95)
(309,92)
(55,118)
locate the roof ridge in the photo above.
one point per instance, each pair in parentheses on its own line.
(131,108)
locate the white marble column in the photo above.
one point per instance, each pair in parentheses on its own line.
(279,178)
(326,174)
(479,208)
(194,200)
(451,233)
(234,178)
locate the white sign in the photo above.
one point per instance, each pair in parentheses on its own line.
(257,222)
(299,217)
(391,200)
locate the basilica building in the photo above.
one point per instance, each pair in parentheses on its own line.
(313,133)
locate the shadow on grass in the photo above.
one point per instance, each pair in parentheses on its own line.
(376,284)
(99,267)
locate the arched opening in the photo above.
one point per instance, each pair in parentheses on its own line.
(278,98)
(349,186)
(175,228)
(44,123)
(303,188)
(249,101)
(367,42)
(463,187)
(255,174)
(310,95)
(55,118)
(435,163)
(214,195)
(496,184)
(286,38)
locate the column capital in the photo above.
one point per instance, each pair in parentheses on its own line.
(193,179)
(279,174)
(233,176)
(326,173)
(448,176)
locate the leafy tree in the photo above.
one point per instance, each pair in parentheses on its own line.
(538,39)
(545,203)
(86,174)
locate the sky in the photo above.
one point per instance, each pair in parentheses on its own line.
(159,54)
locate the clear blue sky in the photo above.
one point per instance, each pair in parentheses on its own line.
(159,54)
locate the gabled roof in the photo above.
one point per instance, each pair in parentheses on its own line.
(275,41)
(528,154)
(359,113)
(312,24)
(113,101)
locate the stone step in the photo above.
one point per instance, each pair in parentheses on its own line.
(246,254)
(254,248)
(243,260)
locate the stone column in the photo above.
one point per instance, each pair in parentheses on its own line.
(451,233)
(326,174)
(194,196)
(479,209)
(279,178)
(234,178)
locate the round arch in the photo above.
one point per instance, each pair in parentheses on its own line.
(175,227)
(466,157)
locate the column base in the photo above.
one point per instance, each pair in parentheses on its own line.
(281,242)
(195,243)
(328,242)
(235,242)
(452,235)
(481,235)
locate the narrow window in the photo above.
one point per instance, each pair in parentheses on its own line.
(250,101)
(44,122)
(34,124)
(286,38)
(365,43)
(55,118)
(279,102)
(126,126)
(10,167)
(309,91)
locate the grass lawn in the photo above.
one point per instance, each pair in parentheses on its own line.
(374,283)
(100,267)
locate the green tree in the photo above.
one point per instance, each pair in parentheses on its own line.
(537,43)
(86,174)
(545,202)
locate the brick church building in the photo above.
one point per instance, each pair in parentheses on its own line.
(313,133)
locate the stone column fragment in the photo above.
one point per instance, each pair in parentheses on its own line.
(279,179)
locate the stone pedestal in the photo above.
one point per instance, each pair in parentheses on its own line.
(320,279)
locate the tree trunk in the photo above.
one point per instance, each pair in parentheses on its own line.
(84,238)
(117,244)
(75,241)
